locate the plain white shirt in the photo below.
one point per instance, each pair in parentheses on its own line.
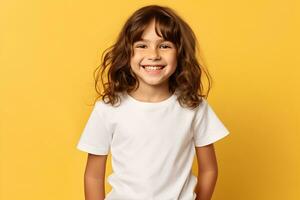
(152,145)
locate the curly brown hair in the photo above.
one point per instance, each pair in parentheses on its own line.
(186,80)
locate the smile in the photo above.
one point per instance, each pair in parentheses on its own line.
(153,69)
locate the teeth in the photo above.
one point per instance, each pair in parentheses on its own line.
(153,67)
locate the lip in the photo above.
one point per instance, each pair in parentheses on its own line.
(153,72)
(153,65)
(163,66)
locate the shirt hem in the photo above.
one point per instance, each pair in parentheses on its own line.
(90,149)
(199,143)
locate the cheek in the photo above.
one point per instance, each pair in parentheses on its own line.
(172,60)
(134,61)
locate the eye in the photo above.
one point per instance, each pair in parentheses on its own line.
(140,46)
(165,46)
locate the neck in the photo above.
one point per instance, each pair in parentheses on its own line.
(151,94)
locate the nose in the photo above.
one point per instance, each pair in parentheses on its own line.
(153,54)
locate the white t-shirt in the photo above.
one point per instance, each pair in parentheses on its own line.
(152,146)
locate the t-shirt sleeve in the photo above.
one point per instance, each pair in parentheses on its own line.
(207,127)
(96,136)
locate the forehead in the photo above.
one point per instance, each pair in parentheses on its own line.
(152,31)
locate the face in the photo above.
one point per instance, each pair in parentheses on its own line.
(154,59)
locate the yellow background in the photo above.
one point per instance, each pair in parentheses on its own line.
(49,49)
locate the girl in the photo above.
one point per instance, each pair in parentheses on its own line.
(152,116)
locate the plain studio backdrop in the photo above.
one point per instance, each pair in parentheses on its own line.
(49,49)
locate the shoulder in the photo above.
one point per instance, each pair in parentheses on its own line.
(102,107)
(107,107)
(203,105)
(201,109)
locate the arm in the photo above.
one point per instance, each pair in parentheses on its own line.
(207,172)
(94,177)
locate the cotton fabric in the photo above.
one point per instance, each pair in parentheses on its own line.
(152,145)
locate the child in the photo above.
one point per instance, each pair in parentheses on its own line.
(161,119)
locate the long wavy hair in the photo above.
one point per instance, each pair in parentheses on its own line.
(186,80)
